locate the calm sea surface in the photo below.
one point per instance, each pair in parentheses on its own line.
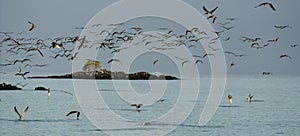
(275,109)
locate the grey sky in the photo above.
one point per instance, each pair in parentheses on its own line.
(59,18)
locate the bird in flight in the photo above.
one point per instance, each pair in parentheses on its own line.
(154,62)
(32,26)
(116,60)
(184,62)
(282,27)
(23,113)
(210,13)
(265,4)
(22,61)
(137,106)
(294,45)
(57,45)
(266,73)
(274,40)
(232,64)
(22,74)
(285,56)
(72,112)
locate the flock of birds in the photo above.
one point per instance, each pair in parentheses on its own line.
(49,94)
(249,99)
(18,44)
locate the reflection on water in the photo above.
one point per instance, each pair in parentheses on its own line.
(273,110)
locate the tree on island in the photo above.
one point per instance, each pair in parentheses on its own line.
(91,66)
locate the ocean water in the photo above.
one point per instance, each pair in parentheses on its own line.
(275,109)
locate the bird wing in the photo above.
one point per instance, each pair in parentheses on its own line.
(184,62)
(31,28)
(110,60)
(25,111)
(197,61)
(133,104)
(71,112)
(155,62)
(205,10)
(78,113)
(40,52)
(272,7)
(214,10)
(82,42)
(259,5)
(27,72)
(214,19)
(16,111)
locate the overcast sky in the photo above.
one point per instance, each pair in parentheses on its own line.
(59,18)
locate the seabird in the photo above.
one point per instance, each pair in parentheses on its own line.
(57,45)
(82,44)
(266,73)
(22,74)
(32,26)
(22,61)
(210,13)
(49,92)
(72,112)
(184,62)
(232,64)
(266,3)
(249,98)
(161,100)
(21,115)
(197,61)
(154,62)
(274,40)
(294,45)
(282,27)
(117,60)
(137,106)
(285,56)
(147,123)
(230,99)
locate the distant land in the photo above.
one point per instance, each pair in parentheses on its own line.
(108,75)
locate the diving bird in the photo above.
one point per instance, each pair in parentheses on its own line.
(249,98)
(32,26)
(72,112)
(21,115)
(285,56)
(265,4)
(137,106)
(230,99)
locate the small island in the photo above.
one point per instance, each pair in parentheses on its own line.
(4,86)
(104,74)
